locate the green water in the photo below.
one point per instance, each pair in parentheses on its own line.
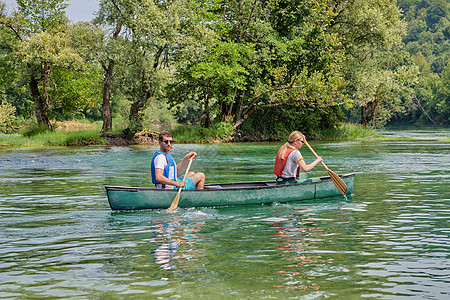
(390,240)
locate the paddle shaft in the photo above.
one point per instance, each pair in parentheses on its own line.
(315,154)
(338,182)
(177,197)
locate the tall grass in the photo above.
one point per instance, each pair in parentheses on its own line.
(53,138)
(220,132)
(349,131)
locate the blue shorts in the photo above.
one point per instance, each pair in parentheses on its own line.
(189,183)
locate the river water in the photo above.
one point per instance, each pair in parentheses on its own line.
(389,240)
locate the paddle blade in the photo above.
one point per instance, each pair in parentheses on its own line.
(175,202)
(338,182)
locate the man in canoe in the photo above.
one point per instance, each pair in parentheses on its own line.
(165,170)
(289,160)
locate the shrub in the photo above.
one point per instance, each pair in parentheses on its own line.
(7,112)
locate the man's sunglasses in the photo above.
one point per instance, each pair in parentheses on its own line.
(168,141)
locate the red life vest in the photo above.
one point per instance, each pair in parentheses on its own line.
(279,164)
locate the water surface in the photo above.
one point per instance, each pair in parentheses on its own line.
(390,240)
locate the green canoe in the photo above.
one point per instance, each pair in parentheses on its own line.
(225,194)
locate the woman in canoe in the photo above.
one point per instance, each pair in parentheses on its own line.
(289,160)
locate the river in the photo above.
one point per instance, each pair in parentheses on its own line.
(389,240)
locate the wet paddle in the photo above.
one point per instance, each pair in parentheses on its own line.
(338,182)
(177,197)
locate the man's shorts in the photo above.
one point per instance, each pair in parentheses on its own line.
(189,183)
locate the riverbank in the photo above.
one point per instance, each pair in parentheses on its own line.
(219,133)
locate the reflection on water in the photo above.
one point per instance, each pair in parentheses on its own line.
(390,240)
(167,246)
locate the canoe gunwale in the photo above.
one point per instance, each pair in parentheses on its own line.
(257,185)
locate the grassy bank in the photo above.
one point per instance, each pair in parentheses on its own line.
(222,132)
(349,132)
(53,138)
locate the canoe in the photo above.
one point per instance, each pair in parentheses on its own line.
(225,194)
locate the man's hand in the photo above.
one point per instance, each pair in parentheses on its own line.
(190,154)
(181,184)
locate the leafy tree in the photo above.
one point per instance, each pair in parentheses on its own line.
(265,54)
(428,40)
(38,46)
(442,100)
(98,51)
(379,75)
(150,33)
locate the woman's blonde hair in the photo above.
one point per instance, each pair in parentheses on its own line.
(295,135)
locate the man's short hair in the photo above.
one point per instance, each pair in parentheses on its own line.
(164,133)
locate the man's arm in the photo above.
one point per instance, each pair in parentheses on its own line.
(184,161)
(159,174)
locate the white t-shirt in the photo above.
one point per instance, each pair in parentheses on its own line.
(291,166)
(161,163)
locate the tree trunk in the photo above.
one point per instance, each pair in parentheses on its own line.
(106,105)
(205,119)
(364,121)
(136,110)
(40,105)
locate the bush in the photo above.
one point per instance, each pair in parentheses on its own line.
(7,112)
(223,131)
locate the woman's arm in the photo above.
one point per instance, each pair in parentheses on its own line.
(308,167)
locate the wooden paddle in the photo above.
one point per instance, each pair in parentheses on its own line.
(338,182)
(177,197)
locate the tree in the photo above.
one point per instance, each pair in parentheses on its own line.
(378,75)
(442,100)
(428,40)
(265,54)
(98,51)
(149,36)
(38,31)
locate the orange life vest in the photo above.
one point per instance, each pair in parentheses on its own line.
(279,164)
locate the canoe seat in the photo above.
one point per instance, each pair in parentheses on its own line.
(213,187)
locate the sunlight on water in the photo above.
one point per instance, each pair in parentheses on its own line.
(389,240)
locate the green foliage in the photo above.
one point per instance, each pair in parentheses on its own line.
(263,67)
(222,131)
(38,45)
(7,114)
(428,41)
(257,61)
(379,74)
(75,92)
(276,123)
(42,15)
(158,113)
(442,100)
